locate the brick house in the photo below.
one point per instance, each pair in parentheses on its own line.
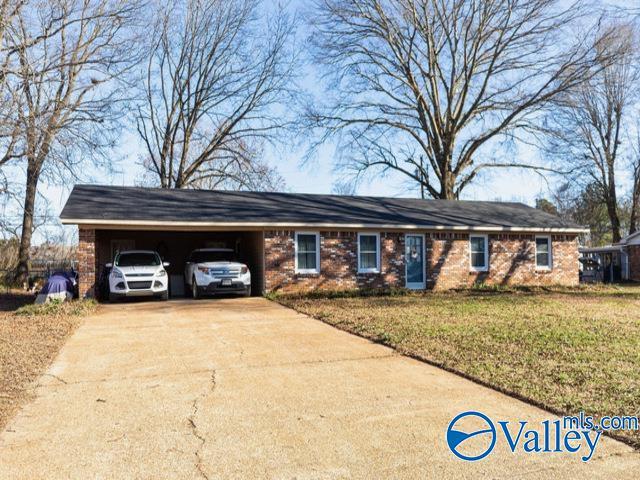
(295,242)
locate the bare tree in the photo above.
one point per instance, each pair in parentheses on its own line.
(592,120)
(634,217)
(635,200)
(421,86)
(216,75)
(67,57)
(9,10)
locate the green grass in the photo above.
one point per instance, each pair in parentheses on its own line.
(564,349)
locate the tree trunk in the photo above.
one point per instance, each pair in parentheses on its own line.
(611,200)
(612,210)
(446,186)
(633,220)
(635,204)
(24,253)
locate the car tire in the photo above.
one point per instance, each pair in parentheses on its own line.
(195,294)
(113,298)
(247,292)
(165,296)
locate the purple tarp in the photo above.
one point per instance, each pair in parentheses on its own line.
(59,282)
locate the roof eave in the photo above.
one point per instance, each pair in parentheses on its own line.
(156,224)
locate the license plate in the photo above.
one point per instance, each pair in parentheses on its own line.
(226,282)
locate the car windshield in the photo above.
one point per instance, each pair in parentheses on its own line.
(138,259)
(213,256)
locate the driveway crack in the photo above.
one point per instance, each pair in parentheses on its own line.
(194,426)
(61,380)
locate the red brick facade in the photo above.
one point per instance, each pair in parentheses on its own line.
(87,262)
(633,251)
(511,262)
(338,262)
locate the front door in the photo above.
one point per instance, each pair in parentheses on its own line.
(414,261)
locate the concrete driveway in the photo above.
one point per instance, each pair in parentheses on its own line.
(249,389)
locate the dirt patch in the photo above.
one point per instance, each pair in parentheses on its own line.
(29,340)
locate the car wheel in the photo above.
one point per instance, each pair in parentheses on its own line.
(165,296)
(247,292)
(194,289)
(113,298)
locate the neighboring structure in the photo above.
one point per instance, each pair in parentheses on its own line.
(294,242)
(618,262)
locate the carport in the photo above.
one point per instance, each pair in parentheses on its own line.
(174,246)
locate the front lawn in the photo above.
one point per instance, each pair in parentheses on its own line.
(565,349)
(30,338)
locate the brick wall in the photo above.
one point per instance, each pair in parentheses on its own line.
(634,262)
(511,262)
(338,262)
(86,262)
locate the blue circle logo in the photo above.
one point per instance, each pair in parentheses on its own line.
(471,436)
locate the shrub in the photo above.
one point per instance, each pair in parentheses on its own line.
(58,308)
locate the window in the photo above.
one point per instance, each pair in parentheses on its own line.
(368,253)
(479,252)
(213,255)
(307,252)
(543,252)
(138,259)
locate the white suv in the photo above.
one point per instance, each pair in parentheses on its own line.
(138,273)
(216,270)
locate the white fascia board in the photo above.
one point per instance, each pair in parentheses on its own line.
(198,225)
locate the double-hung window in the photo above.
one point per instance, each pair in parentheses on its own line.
(307,252)
(543,253)
(479,252)
(368,252)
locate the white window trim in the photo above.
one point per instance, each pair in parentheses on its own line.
(370,270)
(307,270)
(485,267)
(535,259)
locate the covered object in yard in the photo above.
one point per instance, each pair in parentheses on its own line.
(60,286)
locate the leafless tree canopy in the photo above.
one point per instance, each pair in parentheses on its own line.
(9,10)
(421,86)
(65,60)
(592,122)
(634,220)
(218,70)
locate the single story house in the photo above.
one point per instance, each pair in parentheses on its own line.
(296,242)
(619,261)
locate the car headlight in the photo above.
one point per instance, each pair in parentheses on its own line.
(244,269)
(162,273)
(204,270)
(117,274)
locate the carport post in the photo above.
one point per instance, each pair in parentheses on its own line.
(86,262)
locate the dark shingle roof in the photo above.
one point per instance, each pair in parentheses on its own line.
(110,204)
